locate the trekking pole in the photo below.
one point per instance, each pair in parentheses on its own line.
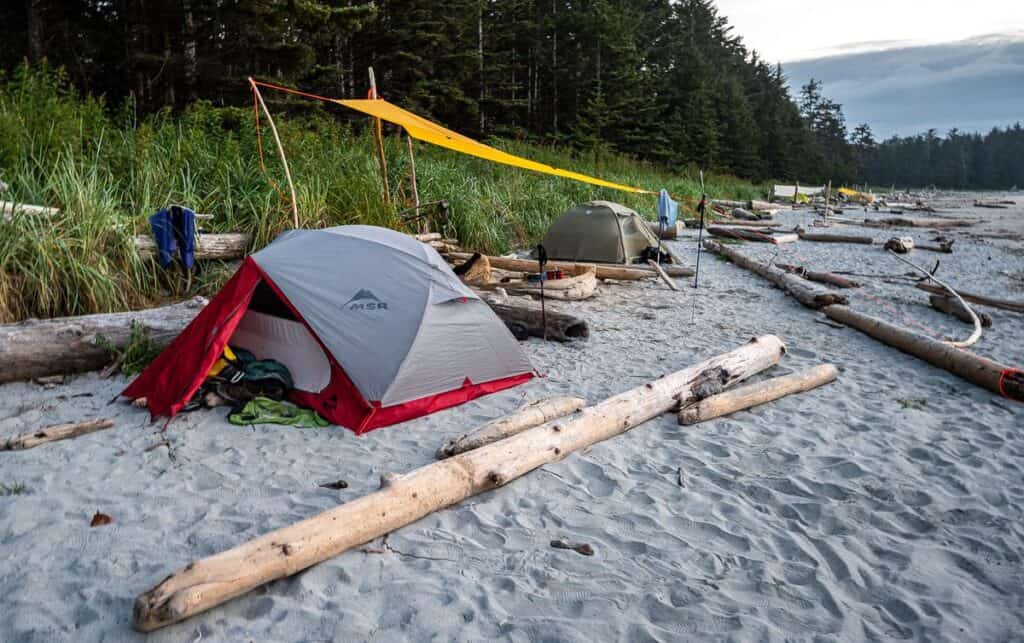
(542,259)
(701,207)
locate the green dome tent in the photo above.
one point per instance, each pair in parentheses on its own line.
(599,232)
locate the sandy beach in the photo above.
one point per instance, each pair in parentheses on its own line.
(886,505)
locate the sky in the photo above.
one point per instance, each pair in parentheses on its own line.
(788,30)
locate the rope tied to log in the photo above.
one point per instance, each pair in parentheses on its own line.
(1015,376)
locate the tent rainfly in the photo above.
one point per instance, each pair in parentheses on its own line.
(373,325)
(599,232)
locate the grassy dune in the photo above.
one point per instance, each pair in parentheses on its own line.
(108,170)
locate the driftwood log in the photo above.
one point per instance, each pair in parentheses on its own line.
(821,277)
(981,300)
(752,395)
(525,417)
(208,582)
(36,348)
(986,373)
(622,273)
(667,232)
(230,245)
(954,308)
(835,238)
(9,208)
(806,292)
(664,276)
(528,322)
(899,245)
(750,235)
(54,433)
(744,214)
(902,222)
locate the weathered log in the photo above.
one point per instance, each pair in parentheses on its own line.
(208,582)
(744,214)
(525,417)
(664,276)
(954,308)
(750,235)
(995,205)
(821,277)
(573,288)
(428,236)
(806,292)
(986,373)
(982,300)
(667,232)
(945,247)
(230,245)
(35,348)
(901,222)
(756,205)
(9,208)
(834,238)
(899,245)
(752,395)
(54,433)
(729,204)
(526,322)
(604,271)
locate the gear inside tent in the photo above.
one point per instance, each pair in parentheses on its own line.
(372,324)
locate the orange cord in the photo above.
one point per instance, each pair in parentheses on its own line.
(1007,373)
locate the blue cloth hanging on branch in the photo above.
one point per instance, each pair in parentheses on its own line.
(174,230)
(668,210)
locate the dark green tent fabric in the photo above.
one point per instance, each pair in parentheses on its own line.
(599,232)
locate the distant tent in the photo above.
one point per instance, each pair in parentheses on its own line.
(599,232)
(373,325)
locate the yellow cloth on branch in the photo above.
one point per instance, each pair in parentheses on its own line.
(429,132)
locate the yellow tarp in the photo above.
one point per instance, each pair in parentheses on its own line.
(424,130)
(862,197)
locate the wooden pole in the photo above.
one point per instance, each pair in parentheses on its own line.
(986,373)
(40,347)
(525,417)
(982,300)
(54,433)
(752,395)
(378,139)
(806,292)
(412,178)
(664,276)
(280,150)
(208,582)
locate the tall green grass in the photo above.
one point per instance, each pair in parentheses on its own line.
(108,170)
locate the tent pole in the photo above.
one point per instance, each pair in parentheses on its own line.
(280,149)
(378,139)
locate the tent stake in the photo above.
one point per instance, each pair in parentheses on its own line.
(280,149)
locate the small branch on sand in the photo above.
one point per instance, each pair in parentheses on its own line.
(54,433)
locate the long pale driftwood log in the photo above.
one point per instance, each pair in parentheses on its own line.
(901,222)
(835,238)
(982,300)
(667,232)
(229,245)
(664,276)
(525,417)
(978,370)
(35,348)
(750,235)
(10,208)
(604,271)
(54,433)
(806,292)
(954,308)
(752,395)
(821,277)
(523,321)
(208,582)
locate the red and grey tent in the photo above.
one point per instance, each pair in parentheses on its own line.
(373,325)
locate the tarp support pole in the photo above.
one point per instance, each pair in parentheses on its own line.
(378,139)
(280,149)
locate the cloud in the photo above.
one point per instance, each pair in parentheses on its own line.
(972,85)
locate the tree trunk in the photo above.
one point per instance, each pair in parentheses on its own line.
(528,322)
(230,245)
(35,31)
(982,300)
(208,582)
(952,307)
(604,271)
(835,238)
(525,417)
(35,348)
(753,395)
(807,293)
(981,371)
(53,433)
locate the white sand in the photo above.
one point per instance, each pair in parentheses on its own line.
(851,512)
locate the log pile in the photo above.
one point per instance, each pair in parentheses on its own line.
(206,583)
